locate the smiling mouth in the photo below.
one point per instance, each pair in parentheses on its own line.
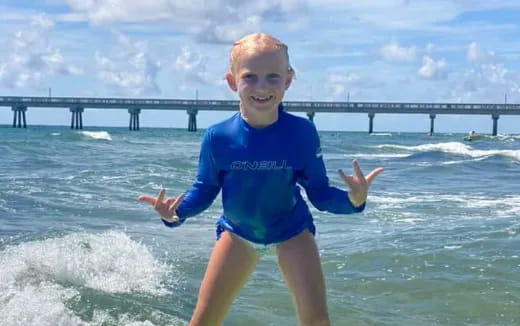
(261,99)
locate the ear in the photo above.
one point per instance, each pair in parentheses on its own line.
(231,81)
(288,79)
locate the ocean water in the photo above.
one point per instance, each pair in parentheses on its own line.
(439,242)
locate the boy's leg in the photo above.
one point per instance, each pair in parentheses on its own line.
(300,265)
(230,265)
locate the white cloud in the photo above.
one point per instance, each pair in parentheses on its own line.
(209,20)
(32,58)
(487,83)
(389,14)
(488,80)
(405,14)
(129,67)
(393,52)
(229,31)
(432,69)
(429,48)
(192,65)
(341,85)
(475,54)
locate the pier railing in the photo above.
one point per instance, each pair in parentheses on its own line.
(296,106)
(19,105)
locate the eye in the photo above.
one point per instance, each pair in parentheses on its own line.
(273,79)
(249,78)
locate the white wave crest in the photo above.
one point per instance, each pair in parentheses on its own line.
(454,148)
(35,278)
(109,262)
(41,304)
(506,206)
(95,135)
(377,156)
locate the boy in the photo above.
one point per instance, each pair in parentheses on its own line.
(256,158)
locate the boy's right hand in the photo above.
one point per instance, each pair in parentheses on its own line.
(164,207)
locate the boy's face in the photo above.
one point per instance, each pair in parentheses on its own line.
(260,78)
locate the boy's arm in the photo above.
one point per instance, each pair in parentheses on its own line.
(206,187)
(316,183)
(331,199)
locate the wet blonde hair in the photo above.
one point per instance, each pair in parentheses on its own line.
(257,42)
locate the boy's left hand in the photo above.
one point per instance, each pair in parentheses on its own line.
(358,183)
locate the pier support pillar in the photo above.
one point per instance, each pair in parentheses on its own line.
(311,116)
(371,116)
(432,123)
(134,118)
(19,119)
(76,121)
(495,117)
(192,121)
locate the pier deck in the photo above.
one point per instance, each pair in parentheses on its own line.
(76,105)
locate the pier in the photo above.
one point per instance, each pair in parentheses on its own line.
(77,105)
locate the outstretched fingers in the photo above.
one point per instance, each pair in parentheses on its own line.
(348,179)
(173,206)
(149,199)
(372,175)
(160,198)
(164,207)
(357,171)
(152,200)
(359,179)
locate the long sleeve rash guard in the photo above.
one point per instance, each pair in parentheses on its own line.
(258,171)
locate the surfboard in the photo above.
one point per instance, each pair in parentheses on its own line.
(474,137)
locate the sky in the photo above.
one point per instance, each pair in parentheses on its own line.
(460,51)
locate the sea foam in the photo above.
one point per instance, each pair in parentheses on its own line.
(95,135)
(454,148)
(39,279)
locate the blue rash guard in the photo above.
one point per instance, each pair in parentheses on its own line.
(258,171)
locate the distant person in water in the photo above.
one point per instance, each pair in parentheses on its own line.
(473,136)
(257,157)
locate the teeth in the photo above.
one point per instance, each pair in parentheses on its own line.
(261,98)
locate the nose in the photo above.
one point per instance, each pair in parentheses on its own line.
(262,83)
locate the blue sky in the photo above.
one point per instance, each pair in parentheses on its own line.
(367,50)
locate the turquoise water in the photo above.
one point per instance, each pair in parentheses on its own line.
(439,243)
